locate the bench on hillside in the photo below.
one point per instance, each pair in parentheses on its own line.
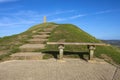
(91,47)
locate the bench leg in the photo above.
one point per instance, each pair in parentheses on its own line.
(91,52)
(61,53)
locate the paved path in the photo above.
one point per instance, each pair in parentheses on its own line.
(27,56)
(70,69)
(117,74)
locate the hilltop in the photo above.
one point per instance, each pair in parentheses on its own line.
(63,32)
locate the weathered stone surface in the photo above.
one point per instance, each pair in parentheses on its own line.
(69,69)
(61,52)
(43,33)
(27,56)
(48,29)
(37,41)
(31,47)
(40,36)
(117,74)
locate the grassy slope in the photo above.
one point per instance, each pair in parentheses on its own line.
(10,44)
(71,33)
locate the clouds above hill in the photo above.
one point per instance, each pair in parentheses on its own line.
(21,20)
(26,17)
(30,17)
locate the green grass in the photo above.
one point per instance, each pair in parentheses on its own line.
(71,33)
(47,56)
(11,44)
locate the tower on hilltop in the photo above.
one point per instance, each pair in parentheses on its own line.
(44,19)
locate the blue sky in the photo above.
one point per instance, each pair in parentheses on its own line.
(100,18)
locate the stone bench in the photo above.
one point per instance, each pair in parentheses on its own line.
(91,47)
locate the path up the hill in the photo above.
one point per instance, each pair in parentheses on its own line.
(38,42)
(70,69)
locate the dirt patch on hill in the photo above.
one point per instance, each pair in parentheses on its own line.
(3,52)
(107,58)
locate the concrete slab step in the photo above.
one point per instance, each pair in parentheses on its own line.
(37,41)
(41,36)
(52,27)
(48,30)
(31,47)
(27,56)
(44,33)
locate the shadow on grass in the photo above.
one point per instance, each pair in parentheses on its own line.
(81,55)
(53,53)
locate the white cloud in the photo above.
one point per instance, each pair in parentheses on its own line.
(18,22)
(6,9)
(58,19)
(68,18)
(102,12)
(30,17)
(76,16)
(14,24)
(23,18)
(66,11)
(26,17)
(60,12)
(4,1)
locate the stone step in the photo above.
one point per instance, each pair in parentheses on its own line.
(41,36)
(37,41)
(54,26)
(44,33)
(31,47)
(48,29)
(27,56)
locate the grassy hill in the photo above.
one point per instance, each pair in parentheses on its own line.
(71,33)
(66,33)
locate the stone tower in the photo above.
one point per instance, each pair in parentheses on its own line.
(44,19)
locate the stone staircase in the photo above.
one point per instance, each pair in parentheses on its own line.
(37,43)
